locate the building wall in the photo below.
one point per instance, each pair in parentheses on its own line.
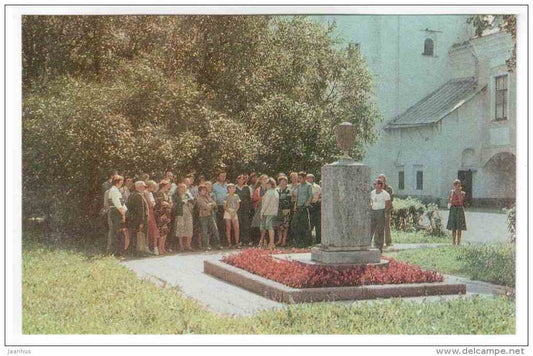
(392,47)
(469,138)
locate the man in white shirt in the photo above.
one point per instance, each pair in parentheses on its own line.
(379,201)
(117,211)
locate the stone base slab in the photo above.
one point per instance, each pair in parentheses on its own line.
(305,258)
(282,293)
(353,257)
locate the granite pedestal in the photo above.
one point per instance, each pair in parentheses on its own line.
(346,215)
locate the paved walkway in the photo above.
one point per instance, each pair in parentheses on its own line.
(185,271)
(482,226)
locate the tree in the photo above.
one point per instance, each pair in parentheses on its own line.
(187,93)
(506,23)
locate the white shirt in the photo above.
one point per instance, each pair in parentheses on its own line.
(115,195)
(316,192)
(172,189)
(270,203)
(378,200)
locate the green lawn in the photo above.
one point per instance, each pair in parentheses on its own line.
(402,237)
(72,292)
(493,263)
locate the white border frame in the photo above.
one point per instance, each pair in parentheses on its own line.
(13,197)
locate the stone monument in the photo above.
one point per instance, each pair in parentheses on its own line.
(345,208)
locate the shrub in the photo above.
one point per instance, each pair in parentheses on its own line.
(410,214)
(187,93)
(511,222)
(298,275)
(494,263)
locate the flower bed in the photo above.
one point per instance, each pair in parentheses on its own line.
(299,275)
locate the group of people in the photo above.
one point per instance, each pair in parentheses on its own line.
(155,218)
(146,217)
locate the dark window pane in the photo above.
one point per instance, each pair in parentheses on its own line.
(419,180)
(500,108)
(428,47)
(401,180)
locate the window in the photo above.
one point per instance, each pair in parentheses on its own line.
(419,180)
(428,47)
(401,180)
(352,48)
(501,97)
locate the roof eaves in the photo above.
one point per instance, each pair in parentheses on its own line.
(392,125)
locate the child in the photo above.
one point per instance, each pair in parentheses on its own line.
(231,206)
(456,218)
(269,211)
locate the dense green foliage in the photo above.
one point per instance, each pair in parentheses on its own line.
(188,93)
(493,263)
(69,292)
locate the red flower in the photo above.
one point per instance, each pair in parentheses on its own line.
(299,275)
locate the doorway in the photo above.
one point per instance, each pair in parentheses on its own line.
(466,181)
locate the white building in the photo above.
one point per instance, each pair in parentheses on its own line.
(448,101)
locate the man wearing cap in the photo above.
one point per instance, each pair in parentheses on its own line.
(315,207)
(388,209)
(138,214)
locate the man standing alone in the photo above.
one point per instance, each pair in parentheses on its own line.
(388,211)
(379,201)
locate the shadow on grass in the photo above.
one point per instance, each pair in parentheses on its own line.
(91,244)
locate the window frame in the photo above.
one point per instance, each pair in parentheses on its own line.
(421,186)
(505,97)
(401,181)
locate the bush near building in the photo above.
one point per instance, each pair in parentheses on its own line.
(410,214)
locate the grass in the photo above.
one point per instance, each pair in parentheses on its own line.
(494,263)
(68,291)
(402,237)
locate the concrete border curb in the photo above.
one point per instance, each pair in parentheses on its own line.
(282,293)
